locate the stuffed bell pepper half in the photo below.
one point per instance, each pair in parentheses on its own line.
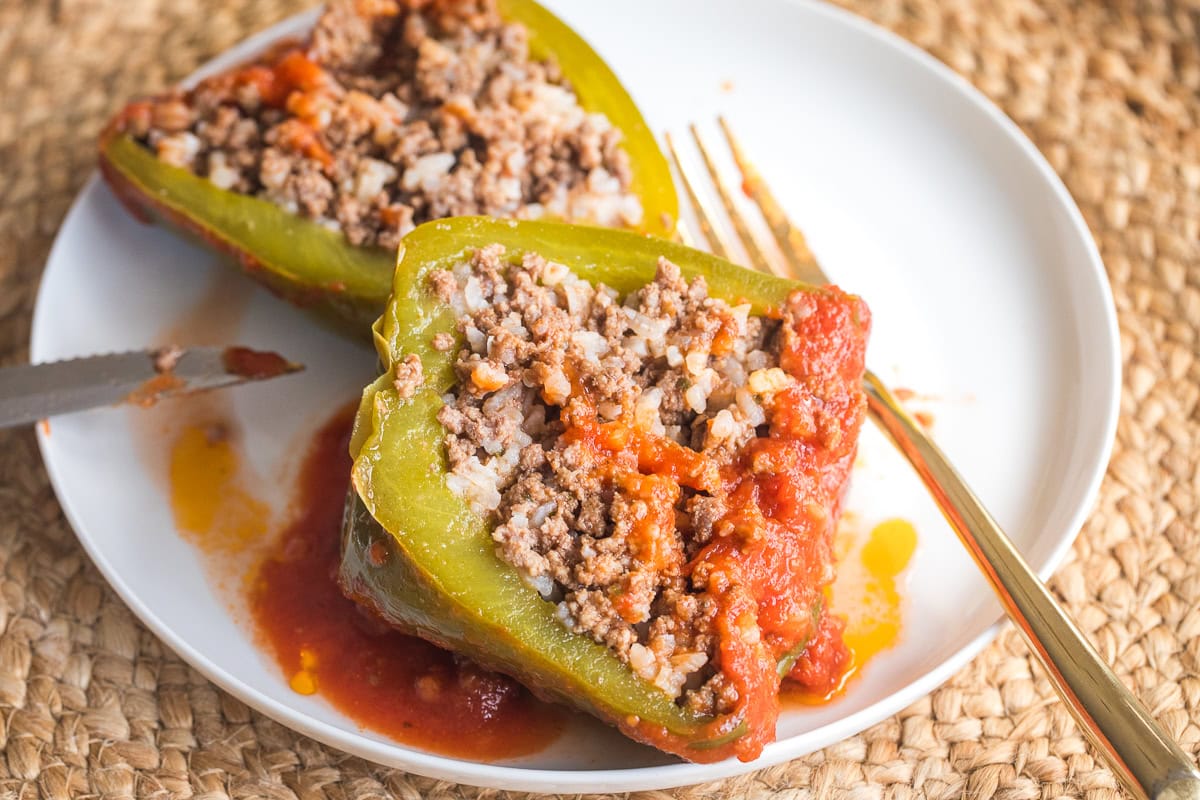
(310,163)
(609,466)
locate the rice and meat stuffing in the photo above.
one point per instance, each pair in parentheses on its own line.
(395,112)
(623,449)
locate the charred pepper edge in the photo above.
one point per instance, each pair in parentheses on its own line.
(411,319)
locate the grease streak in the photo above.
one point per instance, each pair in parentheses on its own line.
(209,499)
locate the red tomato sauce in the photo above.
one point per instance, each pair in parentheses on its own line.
(786,491)
(255,364)
(771,560)
(285,79)
(396,685)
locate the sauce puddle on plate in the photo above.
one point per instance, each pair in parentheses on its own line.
(209,497)
(390,683)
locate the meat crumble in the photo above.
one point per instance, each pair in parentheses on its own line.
(547,361)
(395,112)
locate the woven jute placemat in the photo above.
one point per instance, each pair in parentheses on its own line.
(92,704)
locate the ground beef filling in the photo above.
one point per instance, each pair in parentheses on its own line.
(686,381)
(395,112)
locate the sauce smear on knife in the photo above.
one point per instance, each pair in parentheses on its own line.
(255,364)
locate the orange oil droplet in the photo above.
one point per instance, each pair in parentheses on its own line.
(887,552)
(304,682)
(207,499)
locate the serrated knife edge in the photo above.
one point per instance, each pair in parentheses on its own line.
(37,391)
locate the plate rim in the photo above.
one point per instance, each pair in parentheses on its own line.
(501,776)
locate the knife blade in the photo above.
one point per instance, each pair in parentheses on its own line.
(142,378)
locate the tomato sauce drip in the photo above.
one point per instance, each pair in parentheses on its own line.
(390,683)
(868,606)
(255,364)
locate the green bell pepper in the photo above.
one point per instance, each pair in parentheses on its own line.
(316,268)
(413,551)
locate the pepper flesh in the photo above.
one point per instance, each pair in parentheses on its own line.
(441,578)
(316,268)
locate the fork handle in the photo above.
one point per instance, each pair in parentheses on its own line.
(1145,759)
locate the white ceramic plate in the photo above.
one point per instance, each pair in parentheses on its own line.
(917,193)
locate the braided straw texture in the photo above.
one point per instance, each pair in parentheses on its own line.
(92,704)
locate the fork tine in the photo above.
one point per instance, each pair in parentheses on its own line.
(704,215)
(685,236)
(754,251)
(791,240)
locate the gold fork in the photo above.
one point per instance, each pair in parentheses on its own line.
(1145,759)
